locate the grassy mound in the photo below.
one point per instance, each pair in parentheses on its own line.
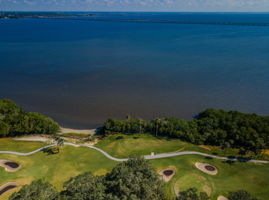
(122,146)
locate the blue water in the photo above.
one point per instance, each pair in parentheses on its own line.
(81,72)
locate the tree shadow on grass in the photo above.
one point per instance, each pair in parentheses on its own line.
(239,159)
(230,162)
(51,150)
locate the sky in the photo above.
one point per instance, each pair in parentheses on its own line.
(137,5)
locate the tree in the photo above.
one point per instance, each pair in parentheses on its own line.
(15,121)
(134,179)
(228,129)
(4,129)
(36,190)
(157,124)
(191,194)
(141,125)
(84,187)
(55,149)
(59,141)
(240,195)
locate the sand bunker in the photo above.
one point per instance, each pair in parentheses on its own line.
(69,130)
(206,168)
(10,166)
(34,138)
(222,198)
(167,174)
(7,187)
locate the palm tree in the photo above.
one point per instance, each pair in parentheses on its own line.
(59,141)
(141,123)
(157,123)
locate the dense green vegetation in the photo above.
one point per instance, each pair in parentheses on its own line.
(16,121)
(192,194)
(212,127)
(37,190)
(241,195)
(134,179)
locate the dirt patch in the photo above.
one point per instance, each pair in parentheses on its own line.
(207,190)
(7,187)
(265,152)
(10,166)
(222,198)
(206,168)
(205,147)
(176,188)
(167,174)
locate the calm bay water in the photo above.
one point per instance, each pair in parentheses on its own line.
(81,72)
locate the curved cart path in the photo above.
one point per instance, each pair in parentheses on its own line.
(148,157)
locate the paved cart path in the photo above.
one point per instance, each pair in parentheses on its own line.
(148,157)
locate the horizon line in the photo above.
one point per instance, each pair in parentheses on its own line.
(136,11)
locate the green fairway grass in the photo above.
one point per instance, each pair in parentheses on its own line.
(72,161)
(238,175)
(248,176)
(122,146)
(56,168)
(8,144)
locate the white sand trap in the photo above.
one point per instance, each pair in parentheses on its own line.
(34,138)
(176,188)
(206,168)
(167,174)
(9,165)
(8,186)
(222,198)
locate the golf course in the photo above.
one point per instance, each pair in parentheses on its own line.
(71,161)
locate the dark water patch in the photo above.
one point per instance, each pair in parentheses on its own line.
(12,164)
(7,188)
(210,168)
(80,73)
(168,172)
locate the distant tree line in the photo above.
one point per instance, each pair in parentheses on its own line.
(134,179)
(211,127)
(16,121)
